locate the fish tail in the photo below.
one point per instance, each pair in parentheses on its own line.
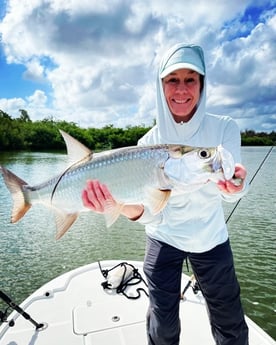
(15,186)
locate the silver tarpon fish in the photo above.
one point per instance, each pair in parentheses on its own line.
(134,175)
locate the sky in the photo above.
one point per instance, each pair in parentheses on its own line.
(94,62)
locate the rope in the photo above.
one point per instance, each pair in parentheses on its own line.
(131,276)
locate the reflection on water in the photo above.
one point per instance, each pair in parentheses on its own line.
(30,256)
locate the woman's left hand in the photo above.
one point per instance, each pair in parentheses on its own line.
(236,184)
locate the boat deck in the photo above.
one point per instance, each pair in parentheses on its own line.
(75,310)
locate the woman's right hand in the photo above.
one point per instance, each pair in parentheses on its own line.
(96,197)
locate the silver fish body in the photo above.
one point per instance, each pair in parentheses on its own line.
(128,173)
(134,175)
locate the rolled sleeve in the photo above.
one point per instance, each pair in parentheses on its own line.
(148,218)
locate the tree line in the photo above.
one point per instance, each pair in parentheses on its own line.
(24,134)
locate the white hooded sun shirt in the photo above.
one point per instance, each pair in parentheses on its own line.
(194,221)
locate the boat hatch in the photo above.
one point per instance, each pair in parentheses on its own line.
(98,316)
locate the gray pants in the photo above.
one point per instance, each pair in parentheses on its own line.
(215,274)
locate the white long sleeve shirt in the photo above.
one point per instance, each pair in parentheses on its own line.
(194,221)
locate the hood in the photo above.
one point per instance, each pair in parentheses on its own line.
(169,131)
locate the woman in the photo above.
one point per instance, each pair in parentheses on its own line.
(193,225)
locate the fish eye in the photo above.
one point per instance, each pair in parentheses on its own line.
(204,153)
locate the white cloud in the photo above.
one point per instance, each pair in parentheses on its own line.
(11,106)
(101,58)
(35,71)
(244,78)
(38,99)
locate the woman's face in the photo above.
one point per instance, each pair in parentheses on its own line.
(182,93)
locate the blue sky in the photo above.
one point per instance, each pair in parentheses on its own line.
(94,62)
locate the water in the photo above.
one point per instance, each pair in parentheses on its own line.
(30,256)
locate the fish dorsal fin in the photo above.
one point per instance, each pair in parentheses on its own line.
(76,151)
(64,221)
(77,154)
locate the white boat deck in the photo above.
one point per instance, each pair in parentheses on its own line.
(76,310)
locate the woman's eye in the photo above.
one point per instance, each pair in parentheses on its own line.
(172,80)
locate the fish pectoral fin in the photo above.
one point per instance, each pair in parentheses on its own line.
(157,199)
(112,212)
(64,221)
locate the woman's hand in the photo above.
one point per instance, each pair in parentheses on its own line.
(236,184)
(97,197)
